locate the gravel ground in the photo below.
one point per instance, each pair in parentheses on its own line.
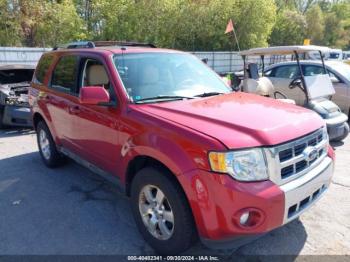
(72,211)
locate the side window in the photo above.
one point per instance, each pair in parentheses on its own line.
(95,74)
(290,72)
(42,68)
(64,76)
(311,70)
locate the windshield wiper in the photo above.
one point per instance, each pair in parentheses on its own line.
(209,94)
(162,97)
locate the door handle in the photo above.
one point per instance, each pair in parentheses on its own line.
(74,110)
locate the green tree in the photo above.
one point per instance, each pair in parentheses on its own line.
(289,28)
(185,24)
(39,22)
(315,25)
(9,28)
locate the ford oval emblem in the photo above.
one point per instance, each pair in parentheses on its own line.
(310,153)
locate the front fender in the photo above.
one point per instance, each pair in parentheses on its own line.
(171,152)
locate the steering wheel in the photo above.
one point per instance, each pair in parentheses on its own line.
(279,93)
(296,82)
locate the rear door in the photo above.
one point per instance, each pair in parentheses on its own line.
(61,100)
(340,97)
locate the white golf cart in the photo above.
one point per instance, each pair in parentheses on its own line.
(317,89)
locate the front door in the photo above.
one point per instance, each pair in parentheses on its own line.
(95,129)
(342,93)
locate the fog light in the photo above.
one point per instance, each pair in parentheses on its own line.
(248,218)
(244,218)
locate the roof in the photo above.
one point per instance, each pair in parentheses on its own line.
(16,66)
(307,62)
(117,50)
(111,47)
(284,50)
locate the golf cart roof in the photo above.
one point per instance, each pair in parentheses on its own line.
(284,50)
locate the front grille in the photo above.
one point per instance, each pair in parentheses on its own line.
(293,160)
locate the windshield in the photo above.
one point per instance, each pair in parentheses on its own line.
(343,69)
(147,75)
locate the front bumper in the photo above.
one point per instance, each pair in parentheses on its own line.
(217,199)
(300,194)
(337,127)
(17,116)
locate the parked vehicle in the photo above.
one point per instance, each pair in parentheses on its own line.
(14,84)
(195,158)
(280,75)
(310,90)
(330,55)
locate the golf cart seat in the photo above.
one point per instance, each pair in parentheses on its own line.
(261,85)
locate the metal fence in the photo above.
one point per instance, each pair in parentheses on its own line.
(224,62)
(21,55)
(220,62)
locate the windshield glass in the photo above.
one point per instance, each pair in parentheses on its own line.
(147,75)
(343,69)
(319,86)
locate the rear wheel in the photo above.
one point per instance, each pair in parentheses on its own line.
(161,212)
(47,146)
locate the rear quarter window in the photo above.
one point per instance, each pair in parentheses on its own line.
(42,69)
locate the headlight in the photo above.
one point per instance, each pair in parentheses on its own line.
(243,165)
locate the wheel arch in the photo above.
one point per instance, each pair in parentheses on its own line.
(37,117)
(142,161)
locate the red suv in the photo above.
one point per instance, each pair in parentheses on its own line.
(196,159)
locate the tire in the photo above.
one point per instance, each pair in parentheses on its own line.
(47,147)
(183,232)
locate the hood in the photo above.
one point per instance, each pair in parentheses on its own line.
(325,107)
(239,119)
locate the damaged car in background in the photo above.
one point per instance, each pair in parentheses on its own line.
(14,107)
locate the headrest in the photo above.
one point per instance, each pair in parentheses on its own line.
(97,75)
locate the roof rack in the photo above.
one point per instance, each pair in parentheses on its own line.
(93,44)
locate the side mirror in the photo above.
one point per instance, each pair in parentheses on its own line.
(334,79)
(205,60)
(93,95)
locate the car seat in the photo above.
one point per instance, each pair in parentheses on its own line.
(97,76)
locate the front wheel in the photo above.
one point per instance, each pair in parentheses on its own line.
(161,212)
